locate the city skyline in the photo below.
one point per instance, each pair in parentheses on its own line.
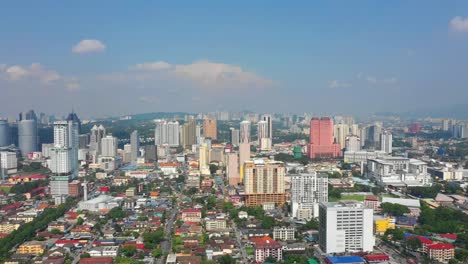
(183,60)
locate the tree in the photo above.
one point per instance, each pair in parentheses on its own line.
(213,168)
(55,231)
(85,255)
(394,209)
(268,222)
(413,243)
(295,259)
(128,251)
(312,224)
(79,221)
(270,259)
(116,213)
(227,259)
(157,253)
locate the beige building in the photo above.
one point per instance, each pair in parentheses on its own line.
(8,227)
(210,128)
(264,182)
(31,248)
(215,224)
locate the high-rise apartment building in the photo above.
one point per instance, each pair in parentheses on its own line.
(264,141)
(232,169)
(97,133)
(340,133)
(8,164)
(353,143)
(234,136)
(203,159)
(28,139)
(244,132)
(307,191)
(135,143)
(4,133)
(321,140)
(189,133)
(264,182)
(166,133)
(210,129)
(386,142)
(346,226)
(244,155)
(109,146)
(64,155)
(268,119)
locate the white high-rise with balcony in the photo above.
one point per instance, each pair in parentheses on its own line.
(109,146)
(307,191)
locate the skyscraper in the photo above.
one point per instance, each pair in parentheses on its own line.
(64,154)
(307,191)
(135,143)
(203,157)
(27,133)
(97,133)
(234,136)
(321,140)
(244,132)
(264,182)
(346,226)
(340,133)
(264,141)
(244,155)
(210,129)
(386,141)
(353,143)
(189,131)
(166,133)
(268,119)
(109,146)
(232,169)
(4,133)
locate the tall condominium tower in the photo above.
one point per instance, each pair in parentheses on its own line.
(97,133)
(353,143)
(340,133)
(244,132)
(4,133)
(210,129)
(109,146)
(264,141)
(346,226)
(189,133)
(307,191)
(264,182)
(321,140)
(27,133)
(267,118)
(166,133)
(386,141)
(234,136)
(135,143)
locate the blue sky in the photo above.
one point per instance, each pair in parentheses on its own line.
(353,57)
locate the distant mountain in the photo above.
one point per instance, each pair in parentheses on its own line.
(158,115)
(459,111)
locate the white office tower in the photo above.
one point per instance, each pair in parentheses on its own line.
(353,143)
(27,133)
(340,132)
(264,141)
(386,142)
(244,132)
(109,146)
(346,226)
(135,147)
(268,119)
(234,135)
(307,191)
(74,124)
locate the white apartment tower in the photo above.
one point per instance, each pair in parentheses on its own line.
(167,133)
(353,143)
(386,142)
(109,146)
(307,191)
(264,141)
(135,147)
(97,133)
(346,226)
(244,132)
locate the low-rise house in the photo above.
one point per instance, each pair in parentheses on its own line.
(31,248)
(191,215)
(108,251)
(97,260)
(61,226)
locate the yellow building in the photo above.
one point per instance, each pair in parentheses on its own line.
(31,248)
(381,225)
(130,192)
(8,227)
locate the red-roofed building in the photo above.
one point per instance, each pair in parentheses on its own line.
(191,215)
(377,258)
(424,241)
(372,201)
(11,207)
(97,260)
(441,251)
(27,178)
(139,246)
(449,236)
(267,247)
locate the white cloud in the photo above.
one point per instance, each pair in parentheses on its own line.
(89,46)
(337,84)
(151,66)
(374,80)
(203,73)
(33,71)
(72,86)
(459,24)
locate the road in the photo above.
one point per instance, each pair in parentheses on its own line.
(239,243)
(166,245)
